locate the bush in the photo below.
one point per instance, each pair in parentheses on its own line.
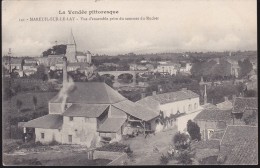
(194,130)
(185,158)
(180,141)
(164,160)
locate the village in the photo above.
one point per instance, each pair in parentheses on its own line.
(76,108)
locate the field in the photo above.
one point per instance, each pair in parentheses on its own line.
(10,112)
(52,156)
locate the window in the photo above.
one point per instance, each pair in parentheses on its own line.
(190,107)
(70,138)
(210,132)
(195,106)
(71,118)
(42,135)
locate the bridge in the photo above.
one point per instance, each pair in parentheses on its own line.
(118,73)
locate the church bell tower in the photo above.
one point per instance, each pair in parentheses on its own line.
(71,49)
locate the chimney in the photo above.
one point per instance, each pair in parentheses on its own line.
(142,95)
(65,75)
(205,95)
(154,93)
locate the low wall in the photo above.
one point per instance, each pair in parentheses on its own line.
(106,155)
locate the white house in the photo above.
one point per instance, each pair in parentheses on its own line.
(170,68)
(183,102)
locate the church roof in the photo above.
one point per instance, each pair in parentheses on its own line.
(71,40)
(92,93)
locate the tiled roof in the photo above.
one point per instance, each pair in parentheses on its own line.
(92,93)
(29,64)
(111,125)
(50,121)
(171,97)
(150,103)
(85,110)
(218,134)
(136,110)
(80,64)
(239,145)
(214,115)
(210,144)
(241,103)
(209,106)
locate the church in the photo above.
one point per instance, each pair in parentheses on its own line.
(77,60)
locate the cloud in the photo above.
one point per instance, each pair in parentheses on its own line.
(206,25)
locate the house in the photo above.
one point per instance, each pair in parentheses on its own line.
(245,108)
(211,120)
(184,102)
(170,68)
(16,63)
(136,67)
(186,68)
(84,56)
(226,105)
(89,112)
(239,146)
(150,67)
(30,66)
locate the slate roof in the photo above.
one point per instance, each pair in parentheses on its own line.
(111,125)
(241,103)
(50,121)
(239,145)
(86,110)
(136,110)
(169,97)
(91,93)
(214,115)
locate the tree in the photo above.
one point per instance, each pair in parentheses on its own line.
(194,130)
(245,67)
(180,141)
(40,73)
(34,102)
(19,104)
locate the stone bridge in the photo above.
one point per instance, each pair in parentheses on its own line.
(117,73)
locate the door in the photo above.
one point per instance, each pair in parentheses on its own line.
(70,138)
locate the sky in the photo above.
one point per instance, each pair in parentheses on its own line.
(183,25)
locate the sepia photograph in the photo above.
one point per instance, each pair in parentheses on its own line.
(129,82)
